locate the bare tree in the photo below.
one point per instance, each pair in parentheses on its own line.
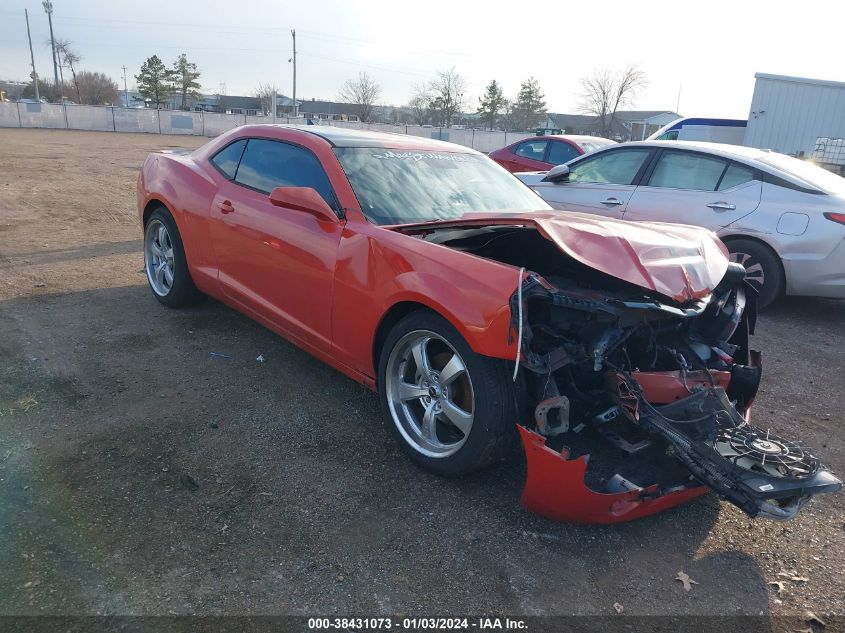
(605,91)
(96,88)
(447,91)
(265,94)
(362,92)
(68,58)
(420,103)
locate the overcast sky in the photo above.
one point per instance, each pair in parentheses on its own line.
(709,49)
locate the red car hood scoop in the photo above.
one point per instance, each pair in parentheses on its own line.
(684,263)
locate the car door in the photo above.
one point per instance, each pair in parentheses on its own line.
(692,187)
(529,156)
(276,261)
(600,183)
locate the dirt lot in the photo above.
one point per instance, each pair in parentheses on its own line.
(111,407)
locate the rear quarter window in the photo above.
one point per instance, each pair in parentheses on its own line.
(227,159)
(734,176)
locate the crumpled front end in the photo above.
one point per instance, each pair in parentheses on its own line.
(642,405)
(636,367)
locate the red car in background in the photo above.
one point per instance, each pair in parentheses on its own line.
(541,153)
(479,314)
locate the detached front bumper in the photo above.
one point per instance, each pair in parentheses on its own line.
(729,458)
(555,488)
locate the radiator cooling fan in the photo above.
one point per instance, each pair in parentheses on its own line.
(765,453)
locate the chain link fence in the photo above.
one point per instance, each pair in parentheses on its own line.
(116,119)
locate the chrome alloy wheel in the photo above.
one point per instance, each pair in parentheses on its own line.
(429,393)
(158,257)
(753,268)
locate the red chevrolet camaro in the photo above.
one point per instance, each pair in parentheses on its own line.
(429,274)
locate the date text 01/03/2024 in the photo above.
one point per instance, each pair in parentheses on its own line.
(417,624)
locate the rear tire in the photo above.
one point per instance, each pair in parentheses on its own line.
(452,411)
(165,262)
(762,267)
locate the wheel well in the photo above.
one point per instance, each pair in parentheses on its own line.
(733,238)
(152,205)
(396,312)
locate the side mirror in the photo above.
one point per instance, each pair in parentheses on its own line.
(303,199)
(558,173)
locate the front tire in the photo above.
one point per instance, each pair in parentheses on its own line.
(762,269)
(165,262)
(452,411)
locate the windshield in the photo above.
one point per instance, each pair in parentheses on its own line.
(812,174)
(404,187)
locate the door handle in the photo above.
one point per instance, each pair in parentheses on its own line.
(722,206)
(226,207)
(612,201)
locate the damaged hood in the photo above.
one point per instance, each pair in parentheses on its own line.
(682,262)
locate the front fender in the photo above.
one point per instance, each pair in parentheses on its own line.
(378,269)
(485,325)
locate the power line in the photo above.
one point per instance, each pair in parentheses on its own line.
(242,30)
(352,62)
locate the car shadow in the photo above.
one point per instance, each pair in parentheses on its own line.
(164,459)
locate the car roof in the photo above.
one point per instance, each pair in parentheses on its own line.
(750,156)
(582,138)
(344,137)
(719,149)
(575,138)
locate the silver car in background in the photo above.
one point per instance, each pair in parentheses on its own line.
(782,218)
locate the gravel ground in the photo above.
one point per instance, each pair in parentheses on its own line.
(139,474)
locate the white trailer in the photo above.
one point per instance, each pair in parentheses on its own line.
(730,131)
(790,114)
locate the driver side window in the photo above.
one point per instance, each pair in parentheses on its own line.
(267,164)
(618,167)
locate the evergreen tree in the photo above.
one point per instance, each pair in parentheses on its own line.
(491,103)
(529,106)
(183,76)
(154,81)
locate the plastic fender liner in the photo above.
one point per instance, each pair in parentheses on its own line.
(555,488)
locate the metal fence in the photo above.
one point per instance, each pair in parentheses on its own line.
(116,119)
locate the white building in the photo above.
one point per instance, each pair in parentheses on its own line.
(788,114)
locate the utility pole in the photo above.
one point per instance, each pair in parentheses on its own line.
(125,89)
(293,34)
(32,57)
(48,9)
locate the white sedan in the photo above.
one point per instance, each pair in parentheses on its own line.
(783,218)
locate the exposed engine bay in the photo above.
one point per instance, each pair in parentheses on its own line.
(637,401)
